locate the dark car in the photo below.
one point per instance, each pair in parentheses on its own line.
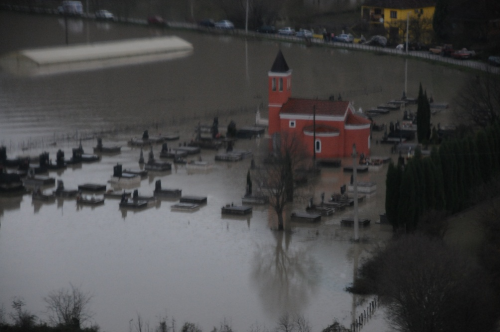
(267,29)
(494,60)
(156,20)
(209,23)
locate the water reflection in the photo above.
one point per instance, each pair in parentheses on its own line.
(284,276)
(10,203)
(74,25)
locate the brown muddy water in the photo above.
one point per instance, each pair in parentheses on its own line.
(199,267)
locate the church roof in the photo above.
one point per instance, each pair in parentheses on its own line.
(280,65)
(353,119)
(323,107)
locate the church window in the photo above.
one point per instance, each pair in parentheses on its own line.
(274,84)
(281,84)
(317,145)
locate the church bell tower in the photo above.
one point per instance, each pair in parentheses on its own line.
(280,89)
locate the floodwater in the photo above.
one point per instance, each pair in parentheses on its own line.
(199,267)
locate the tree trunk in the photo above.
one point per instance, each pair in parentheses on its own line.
(280,221)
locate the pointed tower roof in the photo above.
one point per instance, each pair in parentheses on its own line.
(280,65)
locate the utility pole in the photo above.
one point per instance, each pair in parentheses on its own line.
(66,27)
(355,185)
(246,19)
(407,29)
(314,136)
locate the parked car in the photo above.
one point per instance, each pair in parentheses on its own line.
(103,14)
(463,54)
(304,33)
(209,23)
(494,60)
(376,40)
(344,38)
(224,24)
(267,29)
(156,20)
(287,31)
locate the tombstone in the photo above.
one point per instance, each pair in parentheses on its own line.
(361,158)
(231,129)
(60,158)
(80,148)
(229,147)
(215,127)
(145,135)
(3,153)
(117,170)
(44,159)
(141,158)
(151,158)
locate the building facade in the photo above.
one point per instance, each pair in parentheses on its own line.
(393,16)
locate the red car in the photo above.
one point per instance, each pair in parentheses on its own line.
(463,54)
(156,20)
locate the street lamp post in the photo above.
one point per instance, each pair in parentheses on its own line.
(246,19)
(355,185)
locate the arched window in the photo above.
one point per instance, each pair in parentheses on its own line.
(281,84)
(317,145)
(274,84)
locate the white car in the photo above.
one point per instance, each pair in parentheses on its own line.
(287,31)
(103,14)
(304,33)
(345,38)
(224,24)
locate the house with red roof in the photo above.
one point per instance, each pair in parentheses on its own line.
(328,128)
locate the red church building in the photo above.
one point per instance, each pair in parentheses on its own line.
(333,125)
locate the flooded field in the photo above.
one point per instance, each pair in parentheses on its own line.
(201,266)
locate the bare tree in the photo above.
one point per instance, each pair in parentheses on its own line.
(22,318)
(190,327)
(68,307)
(275,178)
(296,323)
(479,100)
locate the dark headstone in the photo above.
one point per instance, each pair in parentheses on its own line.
(117,170)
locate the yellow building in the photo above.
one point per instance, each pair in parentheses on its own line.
(393,14)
